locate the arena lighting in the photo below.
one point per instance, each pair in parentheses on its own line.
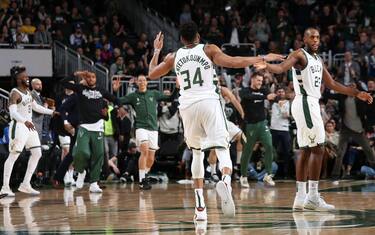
(228,8)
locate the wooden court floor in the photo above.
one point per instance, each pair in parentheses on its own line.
(168,209)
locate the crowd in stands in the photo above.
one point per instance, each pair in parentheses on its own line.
(273,26)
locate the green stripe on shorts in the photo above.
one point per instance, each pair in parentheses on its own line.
(306,110)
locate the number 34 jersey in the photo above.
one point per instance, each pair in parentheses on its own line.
(307,82)
(195,73)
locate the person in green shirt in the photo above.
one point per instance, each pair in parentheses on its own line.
(144,102)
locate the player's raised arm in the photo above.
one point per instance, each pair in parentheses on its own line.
(222,59)
(332,84)
(292,60)
(157,70)
(227,93)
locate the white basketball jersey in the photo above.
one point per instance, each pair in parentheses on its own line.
(24,108)
(195,73)
(308,81)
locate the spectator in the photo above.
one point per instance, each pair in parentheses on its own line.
(280,128)
(117,68)
(27,27)
(128,163)
(185,16)
(78,39)
(42,14)
(256,168)
(349,71)
(42,36)
(370,62)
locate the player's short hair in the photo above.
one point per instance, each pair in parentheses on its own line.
(308,30)
(255,74)
(188,31)
(16,70)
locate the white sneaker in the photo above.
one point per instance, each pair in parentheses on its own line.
(268,180)
(5,190)
(81,179)
(299,201)
(227,203)
(316,203)
(67,180)
(26,188)
(94,188)
(71,175)
(200,214)
(244,183)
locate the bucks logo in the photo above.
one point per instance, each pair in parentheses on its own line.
(312,139)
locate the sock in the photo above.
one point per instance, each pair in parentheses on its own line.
(8,167)
(313,187)
(213,169)
(301,188)
(142,175)
(227,179)
(239,155)
(36,153)
(199,199)
(147,170)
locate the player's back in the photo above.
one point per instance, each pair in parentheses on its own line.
(308,80)
(24,108)
(195,73)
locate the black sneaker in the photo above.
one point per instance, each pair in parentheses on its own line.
(144,185)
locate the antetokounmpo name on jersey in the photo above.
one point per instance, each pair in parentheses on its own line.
(194,58)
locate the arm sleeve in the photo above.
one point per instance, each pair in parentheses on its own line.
(126,99)
(15,115)
(40,109)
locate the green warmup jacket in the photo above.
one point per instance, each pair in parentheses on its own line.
(145,106)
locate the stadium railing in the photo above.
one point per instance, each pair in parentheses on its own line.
(4,99)
(338,58)
(67,61)
(25,46)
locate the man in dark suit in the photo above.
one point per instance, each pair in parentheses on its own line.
(38,118)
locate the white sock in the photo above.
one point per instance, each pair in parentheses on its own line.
(301,188)
(213,169)
(199,199)
(8,167)
(239,155)
(142,175)
(227,179)
(147,170)
(313,187)
(36,153)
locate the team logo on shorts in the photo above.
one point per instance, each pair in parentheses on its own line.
(312,139)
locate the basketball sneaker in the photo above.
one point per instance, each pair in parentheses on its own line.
(244,183)
(67,179)
(5,190)
(145,184)
(94,188)
(299,201)
(227,203)
(214,178)
(200,227)
(268,180)
(81,179)
(26,188)
(316,203)
(200,214)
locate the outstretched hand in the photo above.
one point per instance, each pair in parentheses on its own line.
(274,57)
(116,84)
(260,65)
(364,96)
(158,42)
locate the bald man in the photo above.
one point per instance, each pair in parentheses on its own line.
(36,85)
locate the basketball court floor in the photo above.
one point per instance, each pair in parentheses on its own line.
(168,209)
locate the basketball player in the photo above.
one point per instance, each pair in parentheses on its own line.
(308,73)
(235,133)
(202,116)
(23,133)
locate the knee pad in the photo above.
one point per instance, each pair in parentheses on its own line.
(197,166)
(224,158)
